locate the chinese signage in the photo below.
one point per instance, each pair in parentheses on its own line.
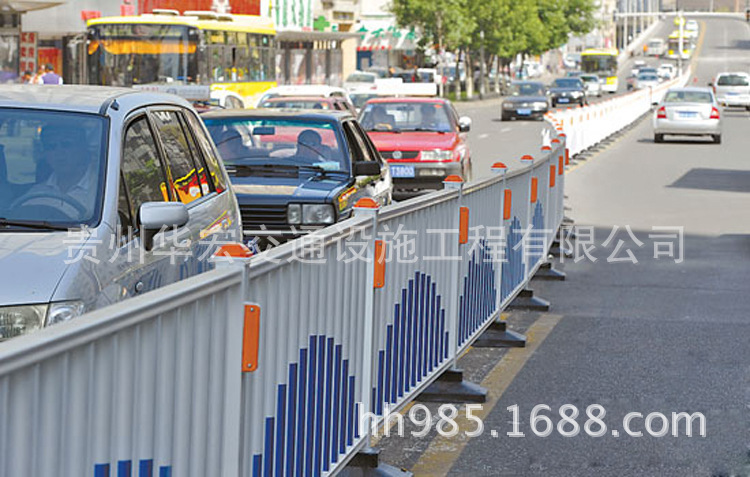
(380,35)
(28,52)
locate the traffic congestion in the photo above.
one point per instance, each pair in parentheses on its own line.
(233,247)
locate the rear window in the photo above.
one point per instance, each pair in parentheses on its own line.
(733,80)
(360,78)
(568,83)
(688,97)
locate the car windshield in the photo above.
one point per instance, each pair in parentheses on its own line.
(589,79)
(567,83)
(527,89)
(687,97)
(406,116)
(359,100)
(360,78)
(296,104)
(648,77)
(732,80)
(51,167)
(278,142)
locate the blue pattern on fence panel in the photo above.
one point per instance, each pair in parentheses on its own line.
(479,297)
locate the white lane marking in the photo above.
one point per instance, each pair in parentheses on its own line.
(484,136)
(504,130)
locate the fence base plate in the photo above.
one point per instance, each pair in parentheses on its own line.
(546,272)
(366,463)
(497,335)
(527,301)
(451,387)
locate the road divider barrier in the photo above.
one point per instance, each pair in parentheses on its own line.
(588,126)
(280,363)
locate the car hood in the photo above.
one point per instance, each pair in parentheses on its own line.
(413,141)
(33,264)
(282,190)
(525,99)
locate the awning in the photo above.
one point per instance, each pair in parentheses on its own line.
(22,6)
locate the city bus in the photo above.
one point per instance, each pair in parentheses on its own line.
(218,51)
(603,63)
(673,46)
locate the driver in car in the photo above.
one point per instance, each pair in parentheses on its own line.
(431,120)
(310,147)
(71,183)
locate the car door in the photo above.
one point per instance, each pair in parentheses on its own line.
(190,184)
(378,187)
(143,178)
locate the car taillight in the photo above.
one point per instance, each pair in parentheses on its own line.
(661,113)
(714,113)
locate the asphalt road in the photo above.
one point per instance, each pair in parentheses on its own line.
(492,140)
(651,336)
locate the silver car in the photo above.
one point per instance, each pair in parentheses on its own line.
(105,193)
(688,112)
(732,89)
(592,85)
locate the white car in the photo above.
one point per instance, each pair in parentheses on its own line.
(655,47)
(688,112)
(311,90)
(646,80)
(360,80)
(592,85)
(732,89)
(692,28)
(666,71)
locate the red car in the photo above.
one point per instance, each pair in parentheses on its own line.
(423,140)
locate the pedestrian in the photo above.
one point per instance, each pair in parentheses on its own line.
(26,77)
(50,77)
(37,78)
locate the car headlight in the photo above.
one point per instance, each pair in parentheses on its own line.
(294,214)
(576,94)
(508,106)
(315,214)
(63,311)
(437,155)
(19,320)
(540,104)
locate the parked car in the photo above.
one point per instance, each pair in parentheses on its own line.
(688,112)
(331,103)
(312,90)
(592,84)
(296,171)
(423,140)
(732,89)
(105,193)
(527,99)
(567,91)
(646,80)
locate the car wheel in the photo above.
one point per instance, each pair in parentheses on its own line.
(747,108)
(504,117)
(658,138)
(717,138)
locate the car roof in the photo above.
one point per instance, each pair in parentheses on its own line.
(319,99)
(305,89)
(77,98)
(408,99)
(528,82)
(726,73)
(697,89)
(286,113)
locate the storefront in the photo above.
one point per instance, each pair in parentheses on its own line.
(382,44)
(312,57)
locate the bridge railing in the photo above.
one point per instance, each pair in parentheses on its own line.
(270,365)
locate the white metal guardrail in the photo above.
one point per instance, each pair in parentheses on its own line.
(266,365)
(587,126)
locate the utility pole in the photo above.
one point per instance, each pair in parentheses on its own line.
(681,21)
(625,41)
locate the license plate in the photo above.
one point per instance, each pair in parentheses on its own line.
(524,112)
(729,93)
(402,171)
(563,100)
(687,114)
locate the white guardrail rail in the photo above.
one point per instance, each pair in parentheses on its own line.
(264,366)
(587,126)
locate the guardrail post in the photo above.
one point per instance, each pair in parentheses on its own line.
(451,386)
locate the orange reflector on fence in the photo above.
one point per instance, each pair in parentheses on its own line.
(552,176)
(379,264)
(555,141)
(567,156)
(527,157)
(453,178)
(546,148)
(534,185)
(367,203)
(235,250)
(560,166)
(507,204)
(463,225)
(251,338)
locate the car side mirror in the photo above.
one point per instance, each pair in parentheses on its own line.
(464,124)
(157,216)
(710,84)
(366,168)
